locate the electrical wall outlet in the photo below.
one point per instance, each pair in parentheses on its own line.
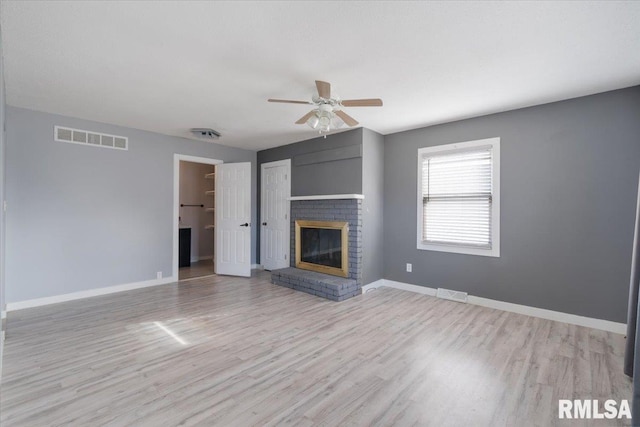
(159,275)
(409,267)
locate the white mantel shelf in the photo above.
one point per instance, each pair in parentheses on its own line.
(328,197)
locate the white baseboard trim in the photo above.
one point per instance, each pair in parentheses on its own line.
(257,267)
(399,285)
(373,285)
(20,305)
(558,316)
(412,288)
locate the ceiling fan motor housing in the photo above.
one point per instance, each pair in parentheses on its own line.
(318,100)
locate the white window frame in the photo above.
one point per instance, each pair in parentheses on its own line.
(494,251)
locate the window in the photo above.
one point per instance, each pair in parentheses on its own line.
(459,198)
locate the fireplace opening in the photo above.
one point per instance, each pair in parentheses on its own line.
(323,246)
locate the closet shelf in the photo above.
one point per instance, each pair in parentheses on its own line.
(211,192)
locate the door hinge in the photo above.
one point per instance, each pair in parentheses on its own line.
(285,216)
(285,256)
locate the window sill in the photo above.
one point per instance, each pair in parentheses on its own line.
(493,252)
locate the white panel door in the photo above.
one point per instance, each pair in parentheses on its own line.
(233,219)
(275,228)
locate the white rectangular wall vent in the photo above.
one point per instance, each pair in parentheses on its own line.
(85,137)
(451,295)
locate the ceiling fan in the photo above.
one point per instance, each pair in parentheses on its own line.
(328,114)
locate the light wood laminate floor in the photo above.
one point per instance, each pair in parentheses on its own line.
(239,352)
(200,268)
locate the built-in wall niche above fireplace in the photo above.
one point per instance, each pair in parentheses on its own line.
(323,246)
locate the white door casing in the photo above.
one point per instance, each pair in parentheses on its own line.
(176,201)
(275,229)
(233,219)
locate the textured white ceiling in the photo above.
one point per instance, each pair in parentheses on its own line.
(170,66)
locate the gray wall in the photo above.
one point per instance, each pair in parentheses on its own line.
(2,198)
(320,177)
(325,177)
(372,206)
(82,217)
(568,187)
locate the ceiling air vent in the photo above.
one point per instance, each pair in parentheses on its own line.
(206,133)
(86,137)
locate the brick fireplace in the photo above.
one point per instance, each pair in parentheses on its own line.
(343,208)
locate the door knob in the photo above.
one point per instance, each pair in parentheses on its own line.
(246,224)
(264,223)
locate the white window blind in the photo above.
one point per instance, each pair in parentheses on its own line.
(457,197)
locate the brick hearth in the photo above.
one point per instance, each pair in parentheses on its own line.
(314,283)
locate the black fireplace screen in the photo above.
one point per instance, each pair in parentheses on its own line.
(321,246)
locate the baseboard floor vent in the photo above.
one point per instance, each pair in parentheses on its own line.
(86,137)
(451,295)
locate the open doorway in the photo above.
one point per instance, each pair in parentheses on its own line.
(195,216)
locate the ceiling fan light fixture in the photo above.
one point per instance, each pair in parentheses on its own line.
(313,121)
(325,121)
(328,113)
(336,122)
